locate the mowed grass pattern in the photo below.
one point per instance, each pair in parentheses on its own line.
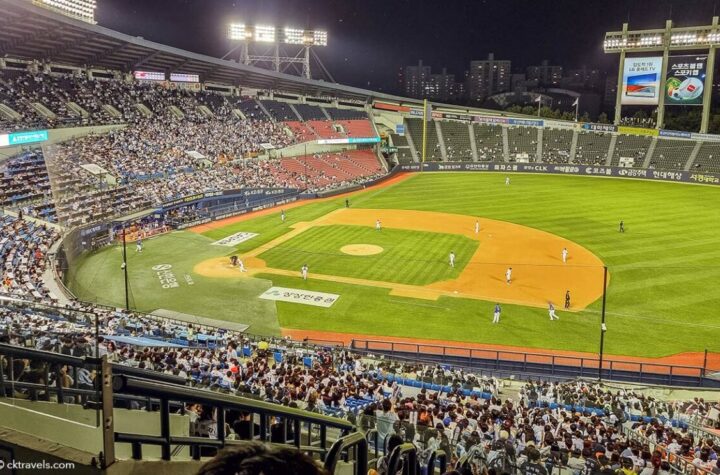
(408,257)
(664,268)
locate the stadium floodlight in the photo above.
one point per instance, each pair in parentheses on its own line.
(238,32)
(80,9)
(264,34)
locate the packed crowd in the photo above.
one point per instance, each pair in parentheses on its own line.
(23,257)
(585,427)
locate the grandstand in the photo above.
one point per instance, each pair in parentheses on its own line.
(165,392)
(592,148)
(489,141)
(556,145)
(523,141)
(635,147)
(457,141)
(671,154)
(708,158)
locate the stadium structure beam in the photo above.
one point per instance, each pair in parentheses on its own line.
(14,43)
(664,41)
(106,52)
(139,62)
(50,53)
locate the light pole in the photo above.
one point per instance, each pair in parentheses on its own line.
(603,328)
(125,270)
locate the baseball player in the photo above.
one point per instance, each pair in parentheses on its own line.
(567,299)
(241,265)
(138,245)
(378,225)
(282,215)
(507,180)
(496,313)
(622,226)
(477,227)
(234,261)
(452,259)
(564,255)
(551,312)
(508,275)
(304,271)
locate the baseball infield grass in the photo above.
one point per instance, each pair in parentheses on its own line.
(663,296)
(408,257)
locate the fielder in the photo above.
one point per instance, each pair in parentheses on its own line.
(496,314)
(378,225)
(452,259)
(551,312)
(304,271)
(507,180)
(564,255)
(282,215)
(622,226)
(138,245)
(241,265)
(567,299)
(508,275)
(234,261)
(477,227)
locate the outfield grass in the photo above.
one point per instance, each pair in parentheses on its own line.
(408,257)
(662,299)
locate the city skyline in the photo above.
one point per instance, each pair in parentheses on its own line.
(368,42)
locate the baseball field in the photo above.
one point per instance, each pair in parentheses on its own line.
(397,282)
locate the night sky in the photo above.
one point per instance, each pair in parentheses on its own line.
(369,40)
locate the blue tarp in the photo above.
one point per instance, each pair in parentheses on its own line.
(140,341)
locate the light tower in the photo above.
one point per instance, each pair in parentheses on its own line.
(665,79)
(270,45)
(79,9)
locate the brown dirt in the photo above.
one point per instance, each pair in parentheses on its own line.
(535,355)
(361,249)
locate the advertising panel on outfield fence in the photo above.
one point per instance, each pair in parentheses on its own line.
(641,81)
(685,81)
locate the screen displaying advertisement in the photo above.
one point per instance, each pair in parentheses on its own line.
(685,81)
(641,81)
(22,138)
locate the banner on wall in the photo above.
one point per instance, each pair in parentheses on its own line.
(685,81)
(641,80)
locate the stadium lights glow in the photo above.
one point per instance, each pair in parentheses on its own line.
(653,39)
(270,34)
(81,9)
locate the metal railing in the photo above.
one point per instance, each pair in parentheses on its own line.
(505,363)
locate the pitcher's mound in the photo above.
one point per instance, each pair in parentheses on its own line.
(361,249)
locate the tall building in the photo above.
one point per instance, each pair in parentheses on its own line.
(487,77)
(583,78)
(420,82)
(546,74)
(415,79)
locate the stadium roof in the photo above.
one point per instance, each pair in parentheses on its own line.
(31,32)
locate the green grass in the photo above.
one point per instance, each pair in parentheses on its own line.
(662,299)
(408,257)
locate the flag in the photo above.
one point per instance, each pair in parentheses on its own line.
(577,99)
(539,99)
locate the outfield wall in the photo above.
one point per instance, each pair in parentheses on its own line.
(583,170)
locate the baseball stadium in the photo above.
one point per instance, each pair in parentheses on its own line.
(233,265)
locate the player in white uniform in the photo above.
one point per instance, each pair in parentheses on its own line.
(378,225)
(241,265)
(551,312)
(452,259)
(282,215)
(564,255)
(138,245)
(507,180)
(304,271)
(477,227)
(496,313)
(508,275)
